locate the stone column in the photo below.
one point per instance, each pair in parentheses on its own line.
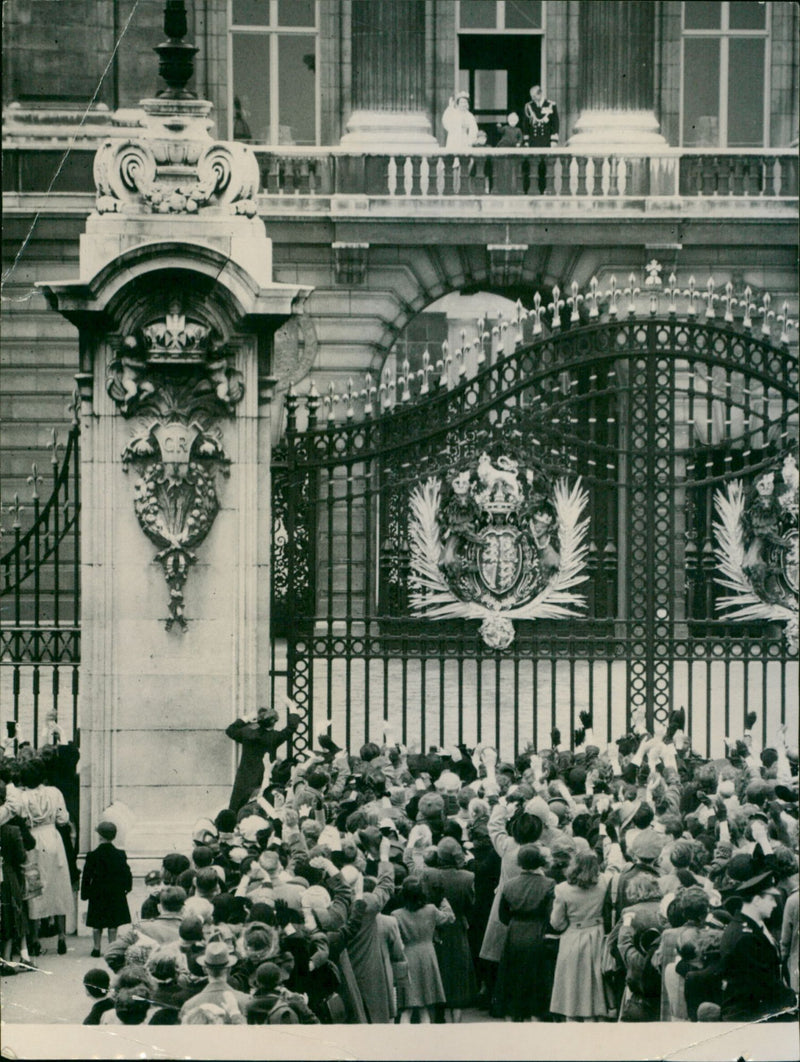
(176,310)
(388,81)
(616,64)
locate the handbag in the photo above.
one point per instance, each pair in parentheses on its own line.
(33,884)
(333,1010)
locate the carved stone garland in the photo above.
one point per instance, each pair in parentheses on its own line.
(178,384)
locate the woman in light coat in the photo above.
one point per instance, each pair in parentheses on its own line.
(459,124)
(43,808)
(579,905)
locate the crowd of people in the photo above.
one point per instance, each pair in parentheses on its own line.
(633,882)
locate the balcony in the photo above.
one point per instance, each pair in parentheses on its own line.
(530,182)
(487,183)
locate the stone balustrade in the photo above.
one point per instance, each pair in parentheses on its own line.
(530,172)
(301,179)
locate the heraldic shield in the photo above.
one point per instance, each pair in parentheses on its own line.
(497,541)
(501,559)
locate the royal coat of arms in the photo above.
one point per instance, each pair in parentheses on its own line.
(493,541)
(757,548)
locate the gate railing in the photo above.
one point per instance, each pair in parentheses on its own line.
(657,396)
(40,599)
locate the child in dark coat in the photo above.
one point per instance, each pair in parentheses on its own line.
(107,880)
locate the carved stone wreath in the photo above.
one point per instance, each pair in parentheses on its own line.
(178,385)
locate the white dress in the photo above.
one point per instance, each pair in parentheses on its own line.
(461,129)
(44,809)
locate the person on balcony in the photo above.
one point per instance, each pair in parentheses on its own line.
(540,120)
(510,133)
(459,124)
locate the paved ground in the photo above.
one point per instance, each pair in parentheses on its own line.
(54,993)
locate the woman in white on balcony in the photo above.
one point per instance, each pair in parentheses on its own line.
(459,123)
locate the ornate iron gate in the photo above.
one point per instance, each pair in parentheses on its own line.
(40,598)
(653,415)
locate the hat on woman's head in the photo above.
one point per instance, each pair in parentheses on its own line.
(98,979)
(646,846)
(225,821)
(250,826)
(562,850)
(175,863)
(259,937)
(268,976)
(261,912)
(370,838)
(576,780)
(561,810)
(204,831)
(229,908)
(539,808)
(627,810)
(448,782)
(462,95)
(162,968)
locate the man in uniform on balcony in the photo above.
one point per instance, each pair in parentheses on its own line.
(540,120)
(540,129)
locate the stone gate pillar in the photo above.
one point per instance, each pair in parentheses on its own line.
(388,76)
(176,309)
(616,72)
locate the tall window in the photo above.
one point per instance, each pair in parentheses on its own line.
(499,56)
(725,73)
(273,63)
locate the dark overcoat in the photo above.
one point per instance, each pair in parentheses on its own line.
(106,883)
(751,971)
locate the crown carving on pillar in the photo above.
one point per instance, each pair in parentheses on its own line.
(174,342)
(175,336)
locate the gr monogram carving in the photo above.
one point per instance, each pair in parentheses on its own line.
(178,385)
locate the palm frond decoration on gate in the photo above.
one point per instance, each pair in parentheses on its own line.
(470,561)
(757,549)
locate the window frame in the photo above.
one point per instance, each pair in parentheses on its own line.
(724,34)
(274,32)
(500,22)
(498,31)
